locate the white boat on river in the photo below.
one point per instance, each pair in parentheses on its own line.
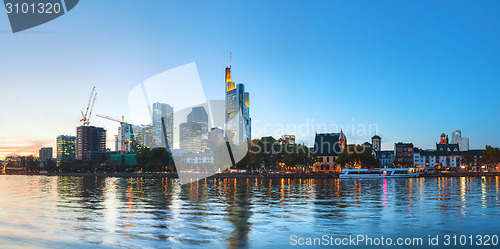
(378,173)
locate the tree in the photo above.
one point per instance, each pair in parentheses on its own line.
(116,166)
(50,166)
(358,156)
(157,159)
(267,152)
(143,157)
(274,154)
(491,155)
(468,160)
(296,155)
(247,162)
(31,164)
(160,159)
(74,165)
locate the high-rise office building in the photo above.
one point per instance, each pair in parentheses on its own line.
(238,121)
(143,135)
(89,138)
(129,136)
(190,137)
(45,154)
(215,136)
(66,147)
(463,142)
(163,125)
(455,135)
(199,115)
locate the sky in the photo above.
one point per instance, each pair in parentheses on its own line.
(408,70)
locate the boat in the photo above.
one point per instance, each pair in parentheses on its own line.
(378,173)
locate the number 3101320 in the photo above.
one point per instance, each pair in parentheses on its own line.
(40,8)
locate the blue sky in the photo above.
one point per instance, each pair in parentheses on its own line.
(412,68)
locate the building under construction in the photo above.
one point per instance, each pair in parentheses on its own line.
(89,138)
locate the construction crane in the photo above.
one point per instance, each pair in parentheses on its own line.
(86,119)
(122,125)
(88,112)
(122,122)
(151,141)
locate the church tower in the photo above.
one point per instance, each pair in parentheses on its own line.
(444,139)
(377,143)
(342,140)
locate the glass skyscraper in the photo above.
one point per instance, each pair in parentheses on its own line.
(455,136)
(190,137)
(143,135)
(130,138)
(238,121)
(463,142)
(163,125)
(199,115)
(66,147)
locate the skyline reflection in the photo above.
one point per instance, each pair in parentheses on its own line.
(235,213)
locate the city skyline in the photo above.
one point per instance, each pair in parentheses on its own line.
(410,79)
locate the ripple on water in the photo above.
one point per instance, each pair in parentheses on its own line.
(79,212)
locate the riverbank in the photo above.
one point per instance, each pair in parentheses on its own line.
(460,174)
(174,175)
(247,175)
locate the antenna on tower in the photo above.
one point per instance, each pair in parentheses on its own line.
(230,59)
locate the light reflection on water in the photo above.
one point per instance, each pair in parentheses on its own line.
(62,212)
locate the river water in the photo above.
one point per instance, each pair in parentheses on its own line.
(83,212)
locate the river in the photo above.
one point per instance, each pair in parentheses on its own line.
(106,212)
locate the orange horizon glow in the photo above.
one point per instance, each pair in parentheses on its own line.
(23,150)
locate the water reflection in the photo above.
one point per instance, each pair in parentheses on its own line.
(64,212)
(384,198)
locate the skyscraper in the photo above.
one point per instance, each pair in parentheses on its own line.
(190,137)
(463,142)
(455,135)
(65,147)
(215,136)
(238,121)
(129,136)
(45,154)
(163,125)
(143,135)
(199,115)
(89,138)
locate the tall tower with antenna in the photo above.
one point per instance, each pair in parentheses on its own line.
(237,114)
